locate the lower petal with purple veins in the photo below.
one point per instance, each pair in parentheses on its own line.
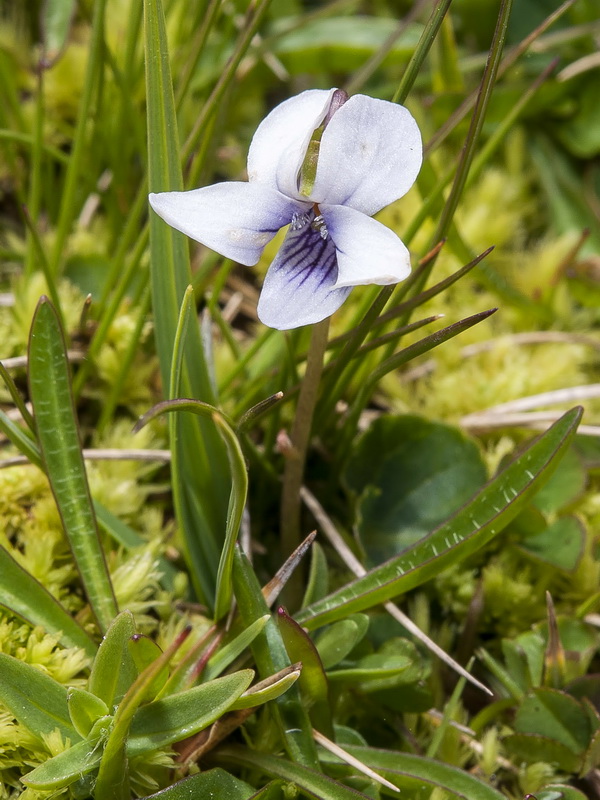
(298,286)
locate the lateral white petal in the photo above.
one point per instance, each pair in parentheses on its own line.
(371,152)
(280,142)
(299,286)
(235,219)
(367,251)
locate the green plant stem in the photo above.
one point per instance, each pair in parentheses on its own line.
(477,120)
(427,38)
(300,435)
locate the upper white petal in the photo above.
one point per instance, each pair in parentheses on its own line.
(370,155)
(367,251)
(280,142)
(235,219)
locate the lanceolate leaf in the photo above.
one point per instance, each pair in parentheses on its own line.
(470,529)
(58,437)
(176,717)
(36,700)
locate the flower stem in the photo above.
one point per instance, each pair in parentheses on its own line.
(294,466)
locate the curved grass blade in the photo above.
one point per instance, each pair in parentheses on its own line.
(35,699)
(471,528)
(58,437)
(237,498)
(27,598)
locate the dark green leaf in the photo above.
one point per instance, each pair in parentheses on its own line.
(560,544)
(555,715)
(533,747)
(411,474)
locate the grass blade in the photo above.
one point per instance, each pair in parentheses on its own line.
(198,452)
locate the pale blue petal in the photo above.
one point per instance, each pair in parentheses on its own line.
(280,142)
(370,155)
(235,219)
(367,251)
(298,288)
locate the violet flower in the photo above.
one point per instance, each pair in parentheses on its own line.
(322,164)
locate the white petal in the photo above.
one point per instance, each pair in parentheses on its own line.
(367,251)
(280,142)
(235,219)
(370,155)
(298,288)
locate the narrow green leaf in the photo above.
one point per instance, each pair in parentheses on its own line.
(114,670)
(226,654)
(35,699)
(16,397)
(413,772)
(267,690)
(471,528)
(317,584)
(312,783)
(67,767)
(178,716)
(199,457)
(58,436)
(28,599)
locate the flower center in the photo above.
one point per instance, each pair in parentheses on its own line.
(314,217)
(318,223)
